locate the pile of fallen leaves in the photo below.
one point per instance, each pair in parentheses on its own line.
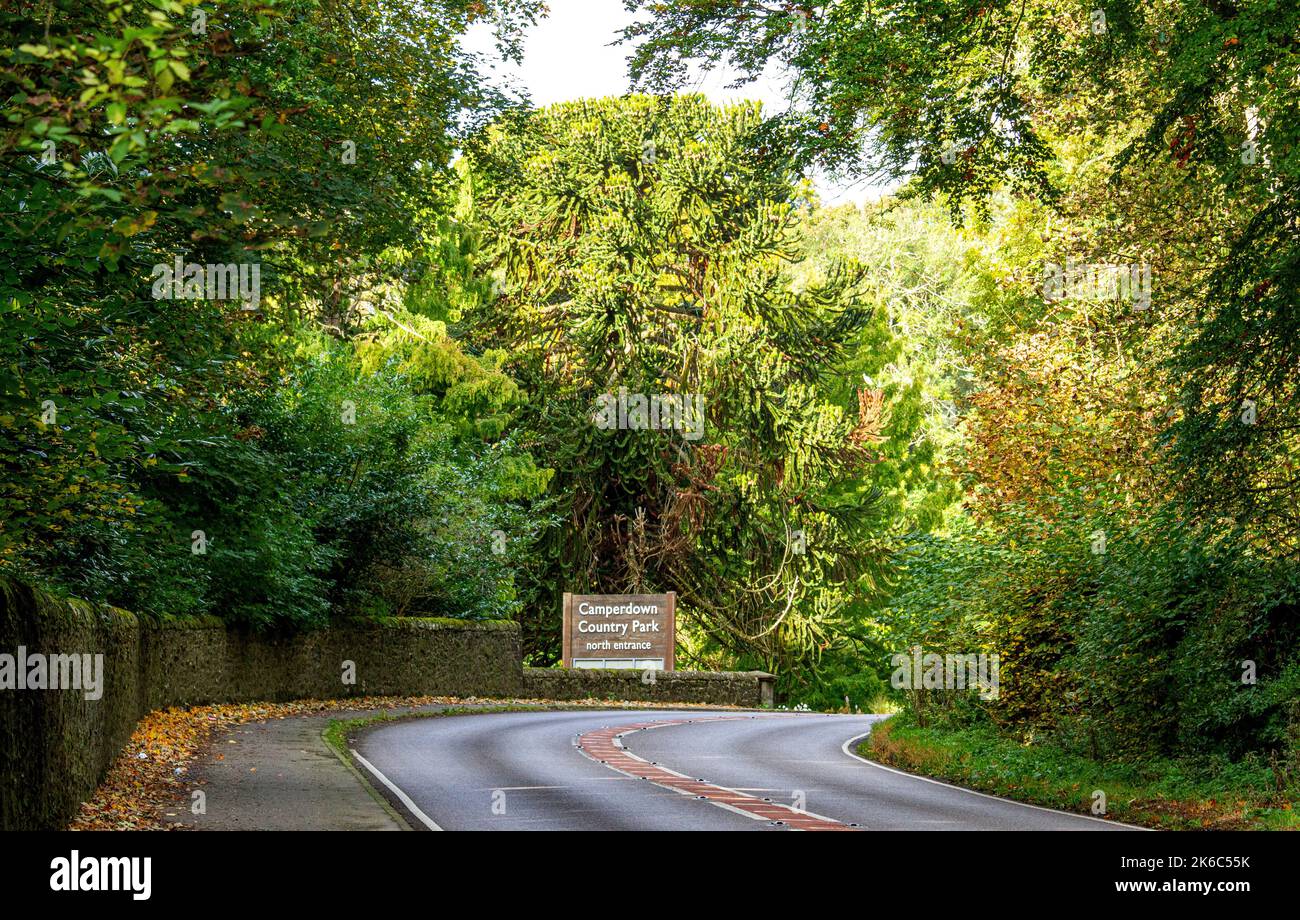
(150,774)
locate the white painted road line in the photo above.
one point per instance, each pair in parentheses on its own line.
(402,796)
(445,765)
(984,795)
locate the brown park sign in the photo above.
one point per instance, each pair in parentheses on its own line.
(620,631)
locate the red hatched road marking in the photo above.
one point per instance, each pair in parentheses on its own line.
(603,745)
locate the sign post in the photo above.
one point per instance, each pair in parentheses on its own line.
(636,631)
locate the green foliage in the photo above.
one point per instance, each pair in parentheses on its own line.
(878,88)
(1162,134)
(1134,650)
(838,682)
(646,245)
(1141,650)
(1193,95)
(340,488)
(407,420)
(1201,792)
(312,141)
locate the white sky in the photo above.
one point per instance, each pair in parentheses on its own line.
(569,55)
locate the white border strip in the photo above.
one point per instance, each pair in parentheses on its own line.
(402,796)
(983,795)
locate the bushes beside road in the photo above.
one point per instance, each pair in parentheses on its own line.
(1203,794)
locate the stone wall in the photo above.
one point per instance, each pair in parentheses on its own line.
(752,689)
(56,745)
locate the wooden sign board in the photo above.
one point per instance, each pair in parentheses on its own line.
(620,631)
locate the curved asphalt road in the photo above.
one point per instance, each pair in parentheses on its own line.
(526,771)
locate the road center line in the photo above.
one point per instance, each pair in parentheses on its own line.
(605,746)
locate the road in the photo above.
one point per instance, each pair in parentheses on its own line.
(667,770)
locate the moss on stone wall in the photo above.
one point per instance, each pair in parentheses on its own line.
(55,745)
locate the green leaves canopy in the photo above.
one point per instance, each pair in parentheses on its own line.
(647,244)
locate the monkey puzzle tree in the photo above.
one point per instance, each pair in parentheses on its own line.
(645,247)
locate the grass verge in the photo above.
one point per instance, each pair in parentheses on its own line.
(1159,793)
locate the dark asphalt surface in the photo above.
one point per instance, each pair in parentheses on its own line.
(523,771)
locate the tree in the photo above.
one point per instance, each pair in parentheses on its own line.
(301,139)
(643,249)
(967,98)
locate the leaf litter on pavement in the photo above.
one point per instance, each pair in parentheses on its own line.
(151,774)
